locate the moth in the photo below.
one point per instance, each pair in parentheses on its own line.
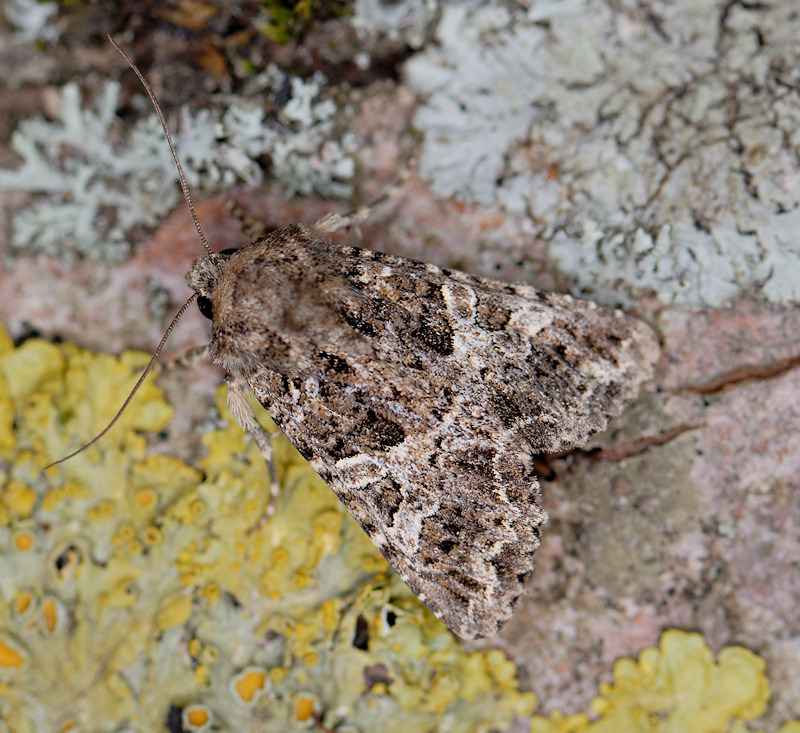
(420,395)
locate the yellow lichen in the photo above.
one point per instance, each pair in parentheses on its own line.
(250,683)
(304,708)
(50,614)
(22,603)
(174,612)
(24,541)
(201,675)
(145,499)
(10,657)
(277,674)
(211,592)
(19,500)
(196,717)
(677,687)
(152,536)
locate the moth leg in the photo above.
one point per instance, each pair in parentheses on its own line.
(241,410)
(334,222)
(189,359)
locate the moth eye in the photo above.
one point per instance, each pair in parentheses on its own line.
(205,306)
(229,251)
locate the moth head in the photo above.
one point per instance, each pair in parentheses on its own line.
(203,276)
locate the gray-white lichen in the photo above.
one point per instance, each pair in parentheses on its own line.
(654,146)
(33,19)
(409,21)
(91,192)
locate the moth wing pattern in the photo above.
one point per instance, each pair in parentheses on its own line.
(421,395)
(452,504)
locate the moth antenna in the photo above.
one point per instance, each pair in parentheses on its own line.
(184,186)
(135,388)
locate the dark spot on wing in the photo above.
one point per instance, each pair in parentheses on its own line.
(303,449)
(341,449)
(509,411)
(388,499)
(436,333)
(380,432)
(361,323)
(491,314)
(335,363)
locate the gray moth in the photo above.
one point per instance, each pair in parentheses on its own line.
(420,395)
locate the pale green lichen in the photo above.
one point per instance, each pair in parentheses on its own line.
(92,193)
(131,592)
